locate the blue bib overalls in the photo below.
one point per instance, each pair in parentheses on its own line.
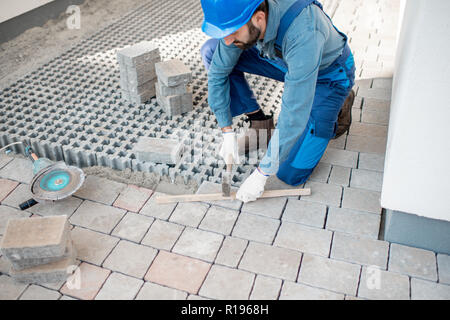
(333,86)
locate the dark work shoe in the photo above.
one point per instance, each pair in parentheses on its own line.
(345,115)
(257,136)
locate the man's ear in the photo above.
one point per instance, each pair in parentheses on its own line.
(259,18)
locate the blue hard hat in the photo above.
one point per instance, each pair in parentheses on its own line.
(223,17)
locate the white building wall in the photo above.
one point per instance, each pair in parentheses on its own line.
(417,166)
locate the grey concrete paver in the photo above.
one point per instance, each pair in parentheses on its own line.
(178,272)
(198,244)
(371,161)
(119,287)
(92,246)
(271,208)
(298,291)
(189,213)
(413,261)
(443,261)
(256,228)
(35,292)
(130,258)
(225,283)
(305,239)
(427,290)
(162,235)
(7,213)
(152,291)
(340,176)
(6,187)
(353,222)
(265,288)
(62,207)
(363,200)
(133,198)
(11,290)
(337,276)
(272,261)
(324,193)
(19,195)
(97,217)
(366,179)
(231,251)
(377,284)
(133,227)
(305,212)
(100,190)
(360,250)
(220,220)
(4,160)
(91,281)
(18,169)
(342,158)
(366,144)
(321,173)
(160,211)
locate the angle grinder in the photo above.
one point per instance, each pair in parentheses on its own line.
(52,180)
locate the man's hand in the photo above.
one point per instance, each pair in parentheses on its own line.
(253,187)
(229,149)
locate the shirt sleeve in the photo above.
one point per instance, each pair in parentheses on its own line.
(223,62)
(302,52)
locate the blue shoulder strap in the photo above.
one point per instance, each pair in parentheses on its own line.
(292,13)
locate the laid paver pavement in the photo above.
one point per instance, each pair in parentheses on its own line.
(133,198)
(414,262)
(298,291)
(266,288)
(333,275)
(119,287)
(162,235)
(377,284)
(97,216)
(257,228)
(225,283)
(231,251)
(130,258)
(178,272)
(133,227)
(35,292)
(305,212)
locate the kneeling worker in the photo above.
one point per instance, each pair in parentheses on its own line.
(290,41)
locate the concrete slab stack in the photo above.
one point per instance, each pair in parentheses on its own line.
(158,150)
(172,92)
(40,250)
(137,71)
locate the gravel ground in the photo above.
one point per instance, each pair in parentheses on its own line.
(38,45)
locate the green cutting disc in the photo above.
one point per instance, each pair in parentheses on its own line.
(55,180)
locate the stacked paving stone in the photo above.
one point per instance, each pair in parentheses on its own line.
(137,71)
(158,150)
(172,92)
(40,250)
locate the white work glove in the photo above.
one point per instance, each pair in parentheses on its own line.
(229,149)
(253,187)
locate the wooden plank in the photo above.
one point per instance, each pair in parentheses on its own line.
(219,196)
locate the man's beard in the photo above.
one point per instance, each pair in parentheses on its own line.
(254,34)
